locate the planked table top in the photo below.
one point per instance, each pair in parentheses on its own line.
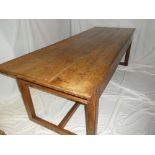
(78,65)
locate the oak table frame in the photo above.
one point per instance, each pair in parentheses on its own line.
(91,102)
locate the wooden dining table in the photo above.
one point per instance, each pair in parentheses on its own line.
(77,69)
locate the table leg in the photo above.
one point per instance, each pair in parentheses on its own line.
(127,55)
(25,92)
(91,115)
(126,61)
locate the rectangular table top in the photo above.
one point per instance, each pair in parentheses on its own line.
(78,65)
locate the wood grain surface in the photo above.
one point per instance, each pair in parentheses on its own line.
(78,65)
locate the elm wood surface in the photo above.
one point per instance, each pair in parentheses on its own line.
(78,68)
(87,56)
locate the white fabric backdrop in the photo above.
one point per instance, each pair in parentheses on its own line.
(127,105)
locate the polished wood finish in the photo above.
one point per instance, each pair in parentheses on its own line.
(78,68)
(62,66)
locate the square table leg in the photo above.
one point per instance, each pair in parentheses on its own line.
(127,54)
(91,115)
(25,92)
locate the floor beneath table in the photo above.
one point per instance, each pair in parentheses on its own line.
(127,106)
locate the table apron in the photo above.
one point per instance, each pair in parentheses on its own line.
(57,93)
